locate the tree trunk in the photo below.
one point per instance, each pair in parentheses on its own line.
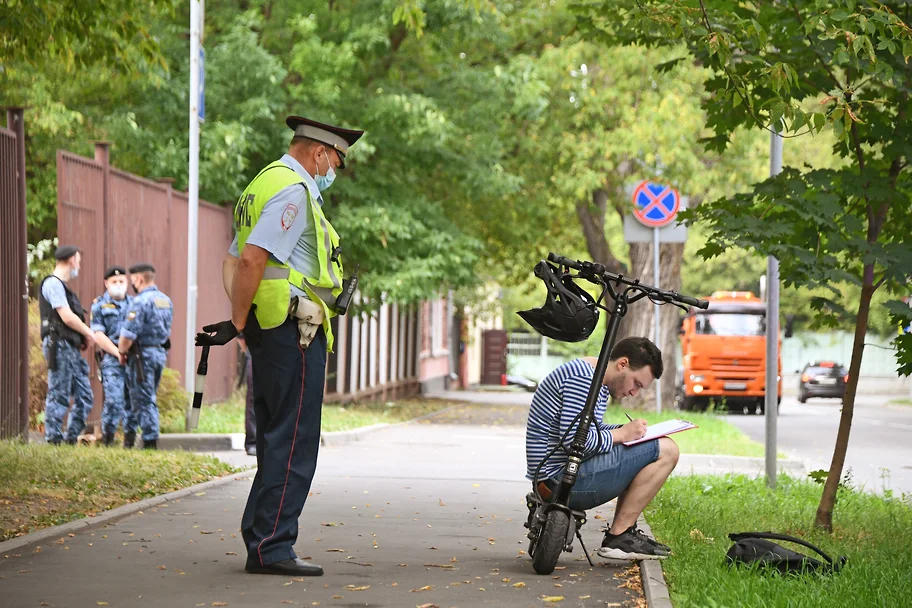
(640,319)
(592,220)
(824,517)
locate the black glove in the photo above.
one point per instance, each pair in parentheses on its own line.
(217,334)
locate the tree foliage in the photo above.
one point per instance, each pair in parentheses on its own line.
(800,67)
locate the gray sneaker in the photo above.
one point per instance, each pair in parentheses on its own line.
(632,545)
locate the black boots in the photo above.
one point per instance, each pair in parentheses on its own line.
(107,439)
(71,441)
(152,444)
(129,440)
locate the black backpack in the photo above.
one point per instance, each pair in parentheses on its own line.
(754,548)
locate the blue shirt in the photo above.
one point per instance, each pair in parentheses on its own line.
(53,292)
(149,318)
(294,244)
(559,398)
(108,314)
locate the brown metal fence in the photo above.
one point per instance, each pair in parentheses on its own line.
(13,280)
(120,218)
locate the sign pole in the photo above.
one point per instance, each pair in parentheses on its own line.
(193,193)
(772,335)
(655,257)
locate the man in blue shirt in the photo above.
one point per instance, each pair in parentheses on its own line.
(63,334)
(632,474)
(109,311)
(144,339)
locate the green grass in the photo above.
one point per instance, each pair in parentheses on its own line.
(228,416)
(694,515)
(714,434)
(900,402)
(43,485)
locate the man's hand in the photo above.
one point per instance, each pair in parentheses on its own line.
(217,334)
(122,357)
(633,430)
(88,342)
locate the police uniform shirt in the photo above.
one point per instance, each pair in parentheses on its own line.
(108,314)
(54,293)
(149,318)
(291,242)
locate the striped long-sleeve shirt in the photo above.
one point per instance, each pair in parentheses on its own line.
(557,401)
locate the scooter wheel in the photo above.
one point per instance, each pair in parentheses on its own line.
(550,541)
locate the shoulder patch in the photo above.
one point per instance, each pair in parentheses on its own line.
(289,215)
(131,315)
(162,303)
(95,301)
(114,306)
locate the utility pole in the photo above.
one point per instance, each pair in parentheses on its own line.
(772,334)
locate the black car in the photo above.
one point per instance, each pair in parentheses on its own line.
(822,379)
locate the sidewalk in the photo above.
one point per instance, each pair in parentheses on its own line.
(427,513)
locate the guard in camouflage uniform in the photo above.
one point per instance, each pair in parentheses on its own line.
(108,313)
(145,338)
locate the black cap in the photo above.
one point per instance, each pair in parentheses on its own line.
(335,137)
(142,267)
(65,252)
(114,271)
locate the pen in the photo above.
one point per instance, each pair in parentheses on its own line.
(628,417)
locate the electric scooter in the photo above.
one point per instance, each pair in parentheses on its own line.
(551,523)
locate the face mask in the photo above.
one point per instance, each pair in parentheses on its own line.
(325,181)
(133,285)
(117,291)
(74,272)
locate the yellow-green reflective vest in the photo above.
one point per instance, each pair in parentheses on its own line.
(274,294)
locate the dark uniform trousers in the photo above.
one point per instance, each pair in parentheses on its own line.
(288,400)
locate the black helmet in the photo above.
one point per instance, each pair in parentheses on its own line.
(569,313)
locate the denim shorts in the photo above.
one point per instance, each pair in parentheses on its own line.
(604,477)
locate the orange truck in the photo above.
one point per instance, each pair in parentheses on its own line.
(724,354)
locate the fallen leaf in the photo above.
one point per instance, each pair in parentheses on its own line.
(219,603)
(288,602)
(162,567)
(586,597)
(288,583)
(560,567)
(335,550)
(230,553)
(337,597)
(553,598)
(402,565)
(453,559)
(102,603)
(425,588)
(446,566)
(558,585)
(205,532)
(428,606)
(24,571)
(353,588)
(505,580)
(519,585)
(329,524)
(432,548)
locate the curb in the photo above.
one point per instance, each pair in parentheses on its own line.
(107,517)
(654,587)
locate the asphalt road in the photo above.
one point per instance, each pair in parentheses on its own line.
(880,444)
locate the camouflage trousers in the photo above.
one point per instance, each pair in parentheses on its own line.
(116,397)
(143,398)
(70,379)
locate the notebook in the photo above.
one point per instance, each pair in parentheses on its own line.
(661,429)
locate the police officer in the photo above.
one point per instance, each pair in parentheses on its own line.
(63,334)
(108,313)
(144,339)
(284,290)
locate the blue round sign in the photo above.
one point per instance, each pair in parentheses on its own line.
(655,205)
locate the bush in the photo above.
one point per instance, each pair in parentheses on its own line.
(41,262)
(38,371)
(172,402)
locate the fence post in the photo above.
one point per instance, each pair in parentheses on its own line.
(15,121)
(103,157)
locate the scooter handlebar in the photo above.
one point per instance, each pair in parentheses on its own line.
(599,269)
